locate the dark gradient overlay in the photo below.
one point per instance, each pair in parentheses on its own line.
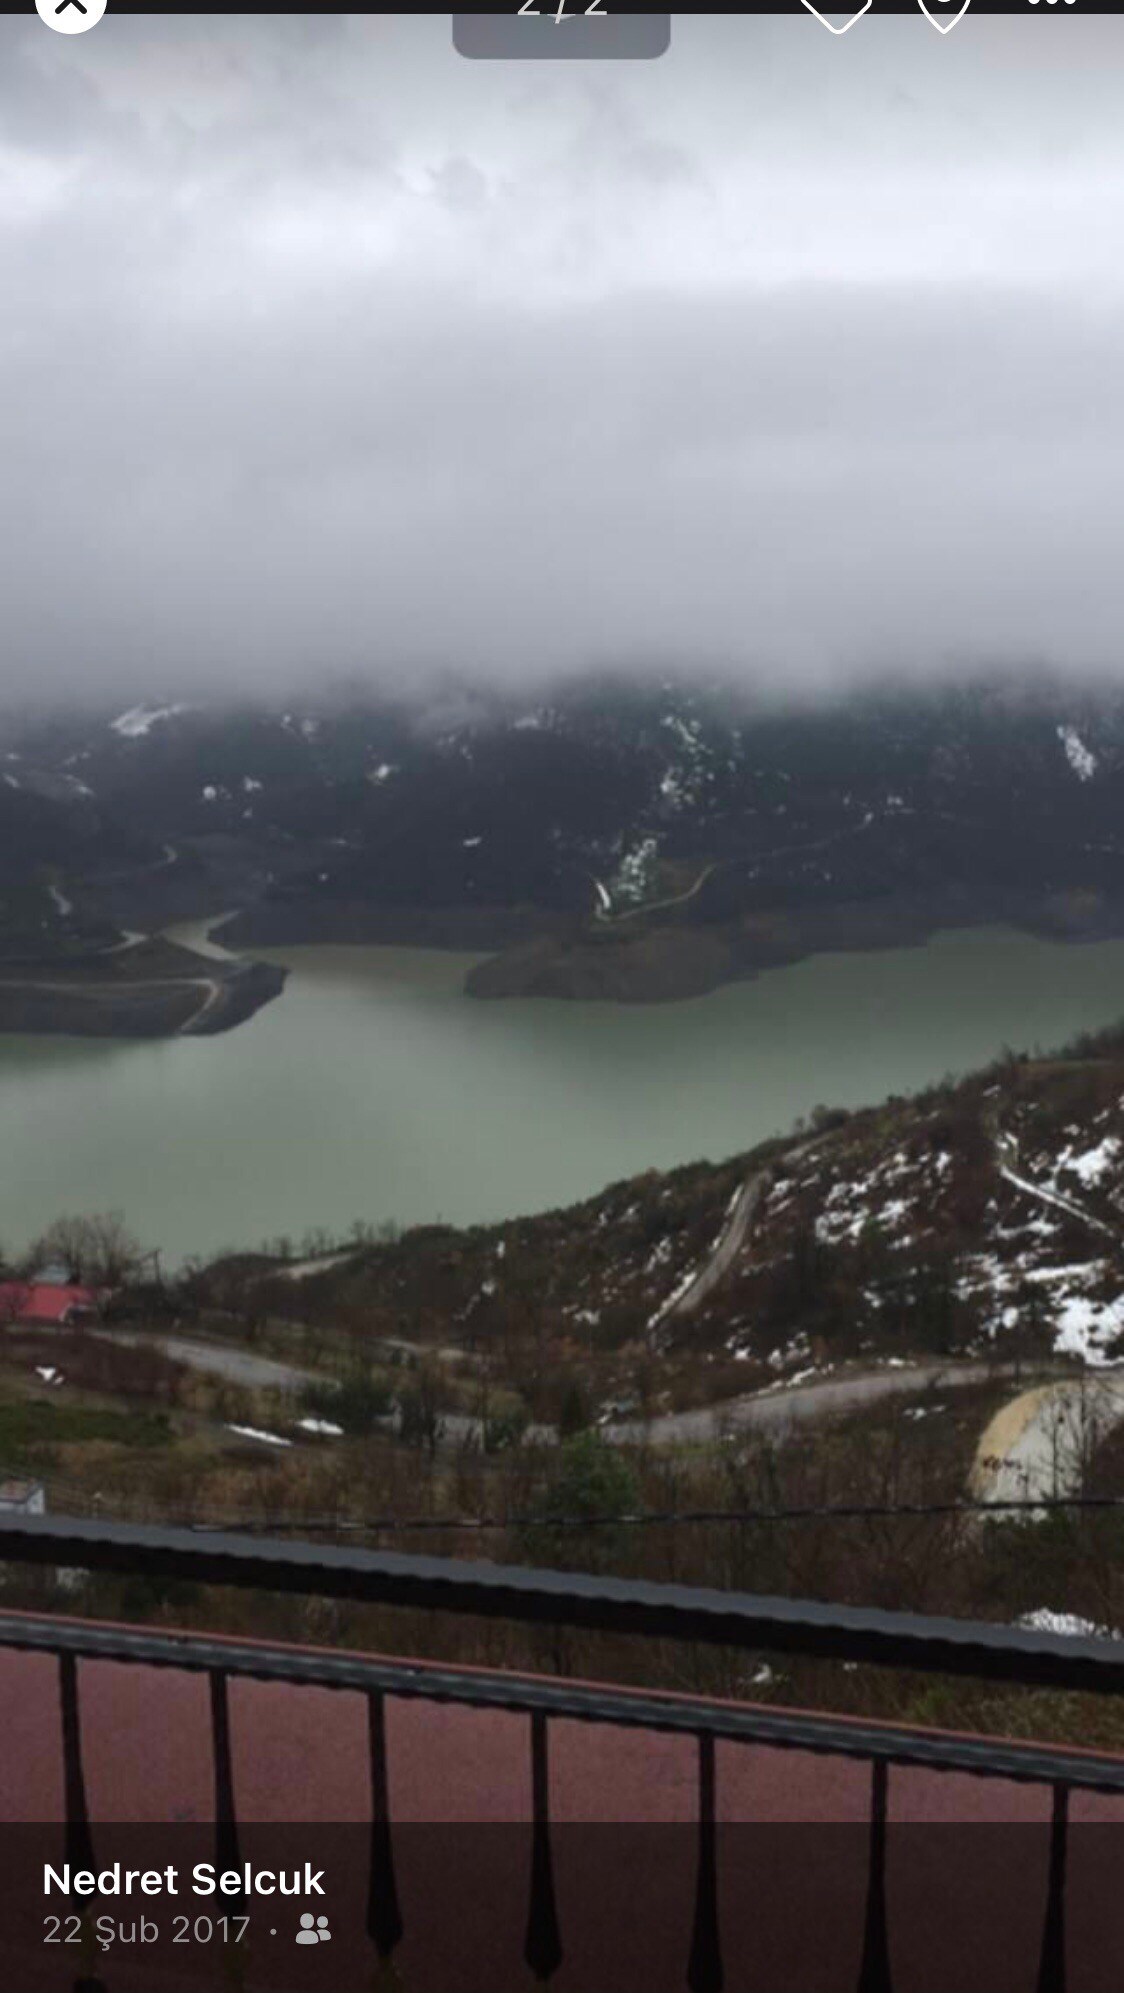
(588,1909)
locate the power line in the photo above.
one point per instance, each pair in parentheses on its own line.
(664,1518)
(381,1525)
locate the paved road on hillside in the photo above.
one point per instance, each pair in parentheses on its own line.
(731,1240)
(718,1262)
(237,1366)
(769,1411)
(267,1373)
(773,1411)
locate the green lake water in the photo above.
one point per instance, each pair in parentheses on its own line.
(373,1089)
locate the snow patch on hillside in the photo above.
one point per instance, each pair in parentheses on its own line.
(140,720)
(1091,1166)
(1079,757)
(255,1432)
(1087,1329)
(634,871)
(1069,1624)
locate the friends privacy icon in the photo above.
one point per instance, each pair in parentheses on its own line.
(944,14)
(838,23)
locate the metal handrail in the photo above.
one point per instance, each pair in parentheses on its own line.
(536,1695)
(905,1640)
(971,1648)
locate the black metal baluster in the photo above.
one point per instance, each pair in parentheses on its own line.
(1051,1969)
(79,1841)
(542,1947)
(704,1966)
(226,1821)
(79,1845)
(384,1915)
(874,1973)
(226,1824)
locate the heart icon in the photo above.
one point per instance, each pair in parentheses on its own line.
(830,25)
(946,19)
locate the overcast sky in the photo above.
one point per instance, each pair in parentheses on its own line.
(325,350)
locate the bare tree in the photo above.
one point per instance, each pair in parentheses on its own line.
(99,1250)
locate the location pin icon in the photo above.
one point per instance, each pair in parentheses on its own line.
(945,17)
(849,23)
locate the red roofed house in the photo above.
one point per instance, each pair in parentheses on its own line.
(47,1302)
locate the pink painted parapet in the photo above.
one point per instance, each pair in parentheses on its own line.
(300,1753)
(966,1867)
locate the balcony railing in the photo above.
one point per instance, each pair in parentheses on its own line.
(931,1646)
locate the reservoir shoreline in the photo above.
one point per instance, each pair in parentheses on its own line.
(637,959)
(375,1090)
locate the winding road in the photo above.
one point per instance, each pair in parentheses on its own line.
(211,986)
(722,1254)
(215,1359)
(213,991)
(1036,1446)
(731,1239)
(779,1407)
(603,911)
(773,1410)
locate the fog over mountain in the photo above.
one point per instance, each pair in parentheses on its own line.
(329,352)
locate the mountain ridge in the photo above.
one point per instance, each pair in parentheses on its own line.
(636,842)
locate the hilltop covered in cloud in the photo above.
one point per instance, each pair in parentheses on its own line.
(333,353)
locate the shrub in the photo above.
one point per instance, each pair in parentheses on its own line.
(504,1432)
(573,1412)
(357,1404)
(591,1480)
